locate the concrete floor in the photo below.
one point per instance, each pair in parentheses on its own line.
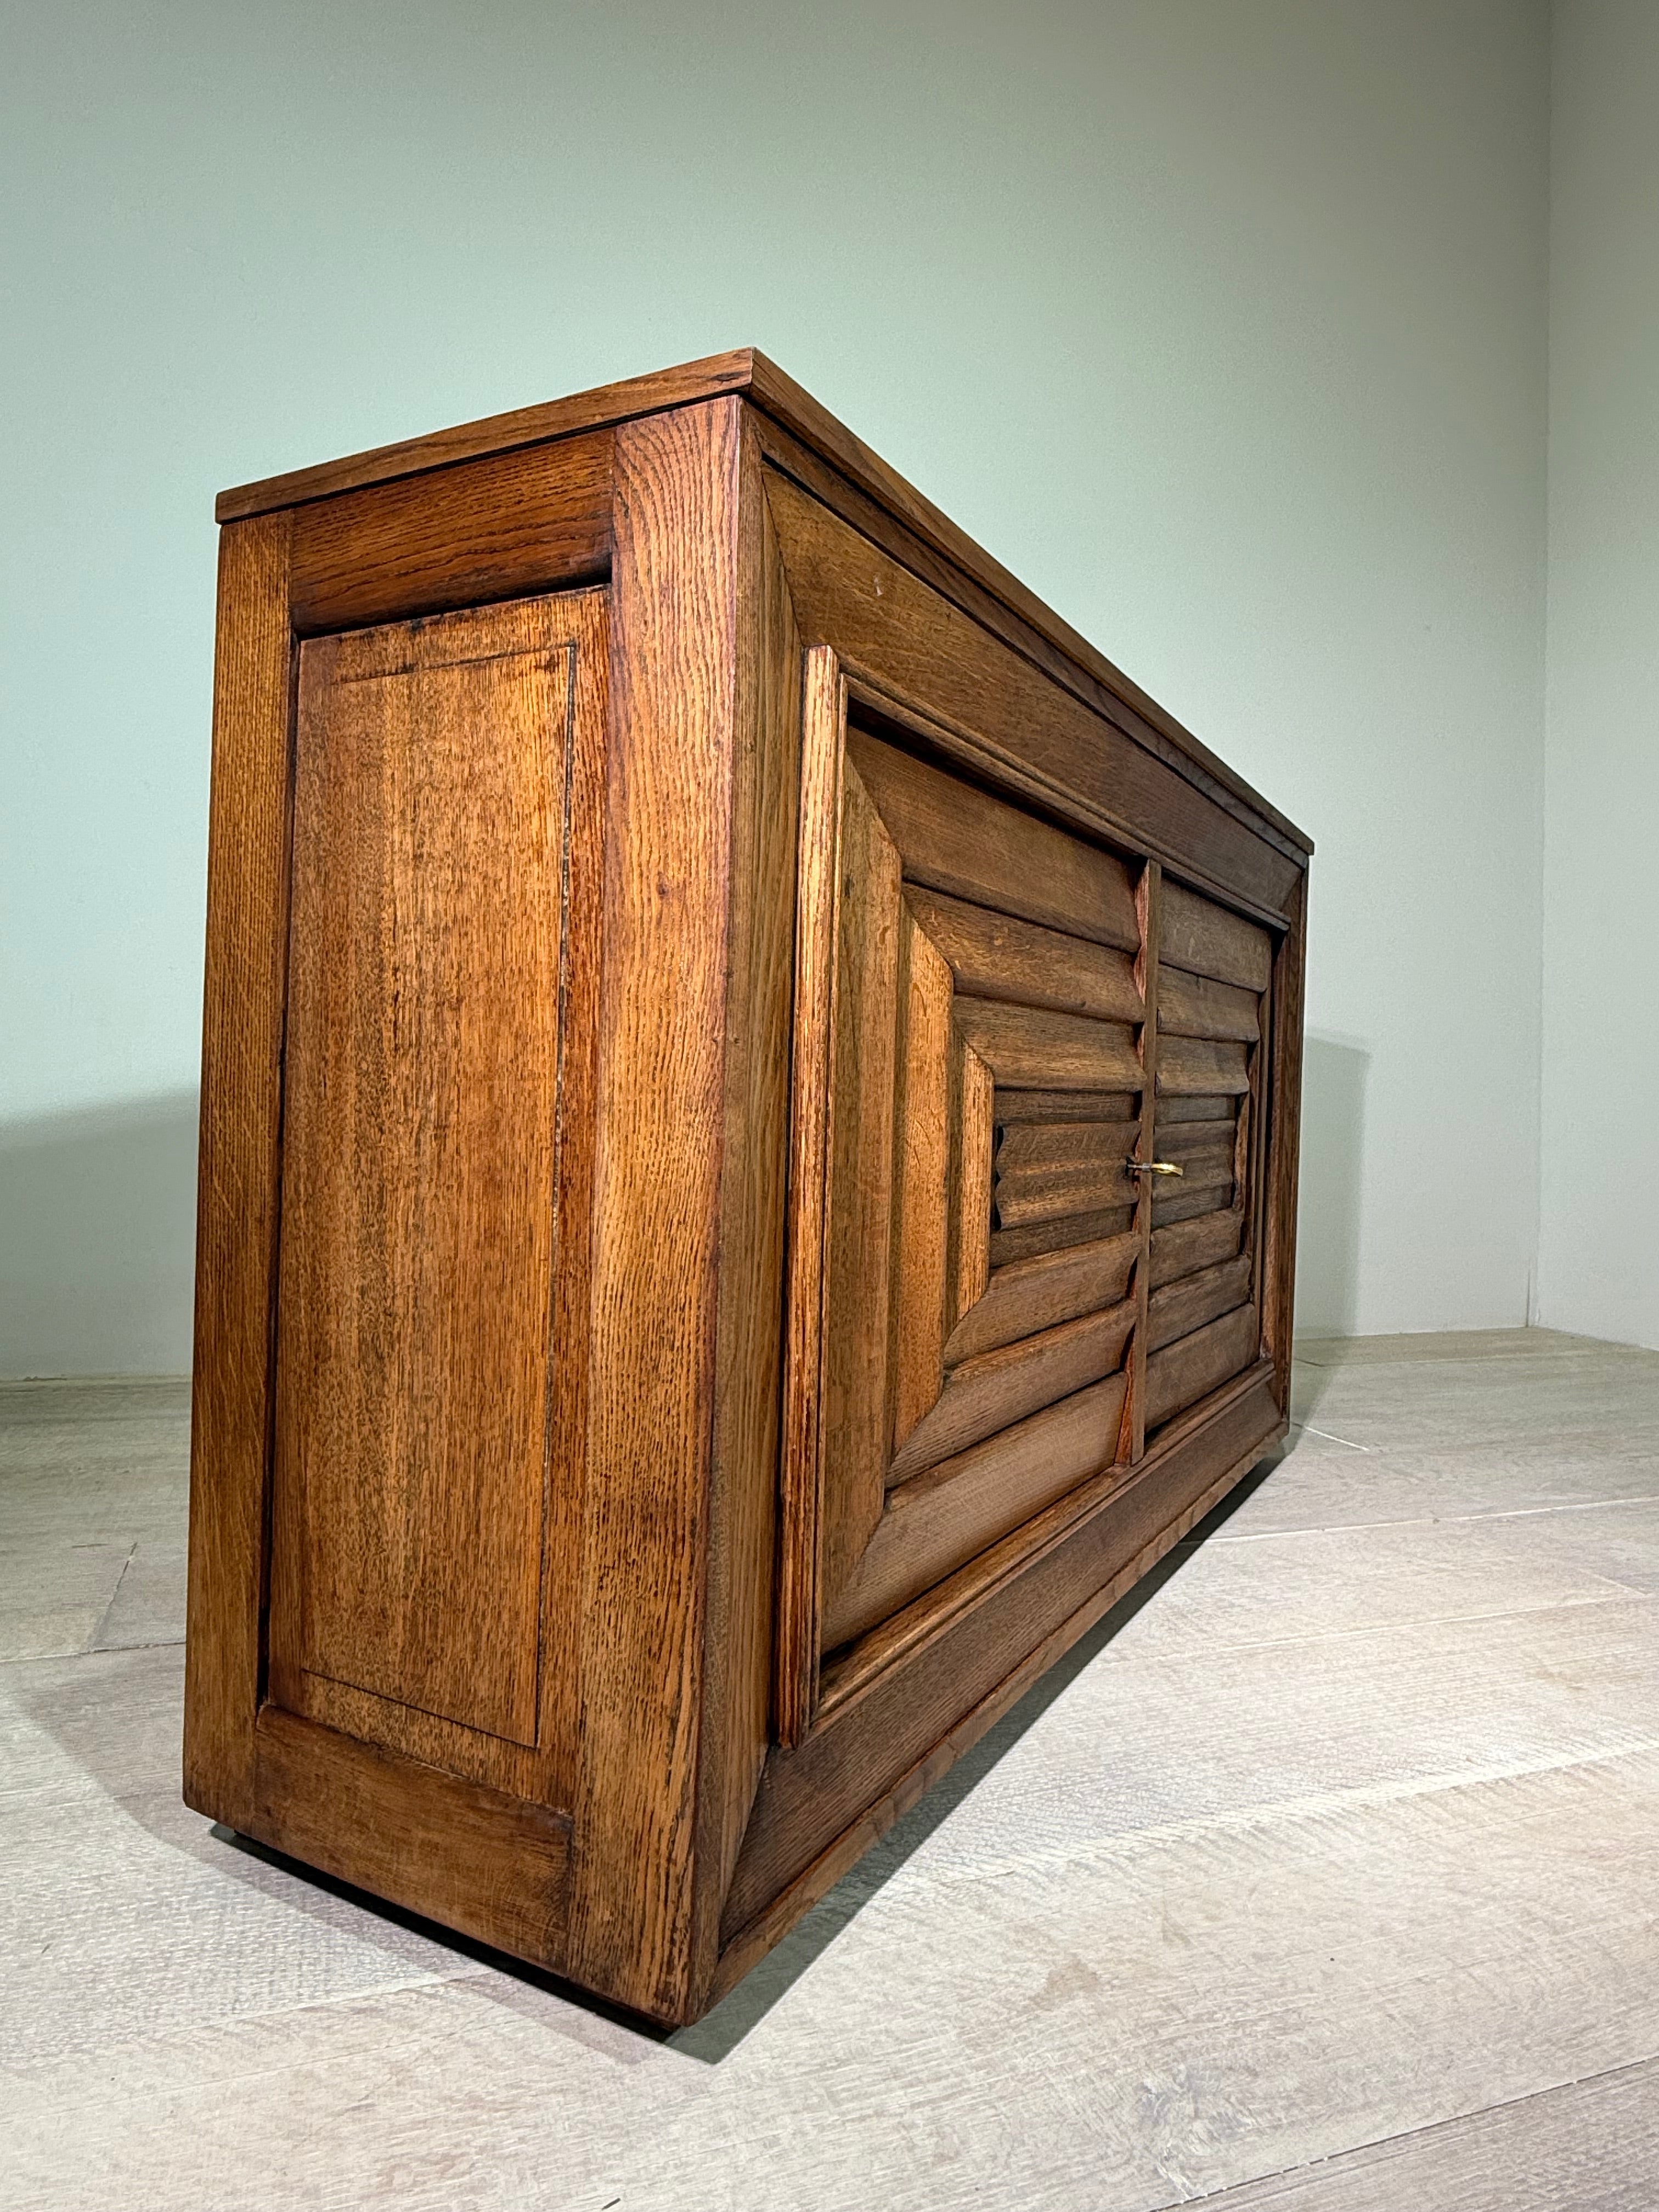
(1323,1876)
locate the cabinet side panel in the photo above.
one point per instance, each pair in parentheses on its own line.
(416,1273)
(236,1221)
(656,1247)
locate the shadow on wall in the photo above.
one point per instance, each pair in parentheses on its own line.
(97,1240)
(1334,1071)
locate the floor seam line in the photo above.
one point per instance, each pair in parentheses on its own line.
(132,1554)
(1394,2145)
(1283,1811)
(1625,1592)
(1433,1519)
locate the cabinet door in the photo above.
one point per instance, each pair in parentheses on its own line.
(974,1286)
(1203,1321)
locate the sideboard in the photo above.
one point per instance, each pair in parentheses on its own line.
(747,1166)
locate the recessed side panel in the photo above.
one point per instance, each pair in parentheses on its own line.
(415,1292)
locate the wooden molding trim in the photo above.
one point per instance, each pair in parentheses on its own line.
(823,721)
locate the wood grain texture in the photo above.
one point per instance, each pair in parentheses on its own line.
(990,1391)
(1036,1237)
(1182,1373)
(481,1861)
(1014,1106)
(1172,1112)
(974,1104)
(921,662)
(738,1621)
(819,997)
(1031,1046)
(1199,1147)
(1184,1204)
(1194,1068)
(1194,1006)
(862,1167)
(1205,1168)
(656,1225)
(236,1221)
(1044,1170)
(922,1287)
(1188,1246)
(938,1520)
(1216,1189)
(958,840)
(887,1709)
(1028,1295)
(1591,2144)
(430,856)
(824,713)
(992,956)
(492,530)
(1179,1308)
(1205,939)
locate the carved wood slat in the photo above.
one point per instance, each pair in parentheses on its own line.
(1194,1068)
(959,840)
(1009,1246)
(972,1129)
(923,1238)
(993,956)
(1084,1168)
(1203,939)
(1028,1295)
(1190,1245)
(1179,1308)
(1183,1372)
(945,1517)
(858,1295)
(1016,1106)
(1194,1006)
(985,1393)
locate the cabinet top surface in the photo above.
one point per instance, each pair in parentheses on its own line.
(747,373)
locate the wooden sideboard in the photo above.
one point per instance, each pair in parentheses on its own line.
(709,986)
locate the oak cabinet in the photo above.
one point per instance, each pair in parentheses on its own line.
(747,1166)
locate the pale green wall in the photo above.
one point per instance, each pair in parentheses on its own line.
(1220,321)
(1599,1227)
